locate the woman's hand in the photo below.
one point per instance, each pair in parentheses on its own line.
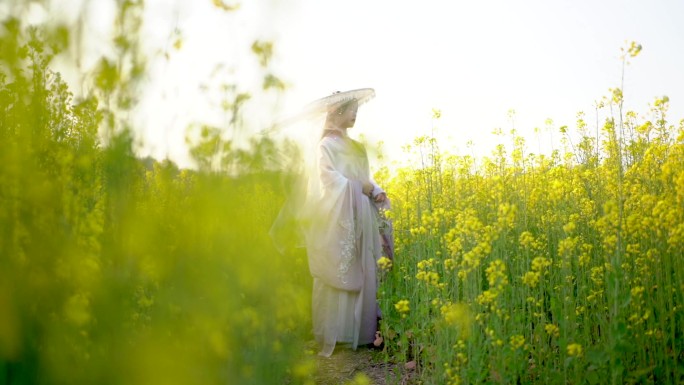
(367,189)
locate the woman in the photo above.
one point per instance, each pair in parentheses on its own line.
(342,238)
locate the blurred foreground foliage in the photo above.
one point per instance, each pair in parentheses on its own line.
(119,270)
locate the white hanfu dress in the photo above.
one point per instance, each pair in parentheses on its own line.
(343,245)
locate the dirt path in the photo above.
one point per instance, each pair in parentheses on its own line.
(345,364)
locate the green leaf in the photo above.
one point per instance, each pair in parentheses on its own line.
(271,81)
(263,50)
(107,75)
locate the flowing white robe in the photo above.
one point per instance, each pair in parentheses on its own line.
(343,245)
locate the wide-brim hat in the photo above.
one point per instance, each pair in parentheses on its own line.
(330,103)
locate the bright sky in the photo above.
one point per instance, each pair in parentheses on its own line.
(473,60)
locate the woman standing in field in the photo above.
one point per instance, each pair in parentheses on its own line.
(342,238)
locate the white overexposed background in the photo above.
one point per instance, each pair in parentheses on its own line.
(473,60)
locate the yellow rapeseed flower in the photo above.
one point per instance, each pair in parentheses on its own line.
(384,263)
(360,379)
(552,330)
(539,263)
(496,273)
(517,341)
(637,291)
(574,350)
(458,315)
(526,239)
(570,227)
(531,278)
(424,264)
(402,307)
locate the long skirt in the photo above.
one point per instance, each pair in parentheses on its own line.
(341,316)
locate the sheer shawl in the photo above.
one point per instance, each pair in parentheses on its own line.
(320,214)
(337,213)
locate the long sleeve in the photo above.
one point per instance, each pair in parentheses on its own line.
(333,234)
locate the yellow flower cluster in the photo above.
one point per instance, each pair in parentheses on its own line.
(527,240)
(596,222)
(426,275)
(468,242)
(402,307)
(574,350)
(459,361)
(552,330)
(451,375)
(597,274)
(539,264)
(585,254)
(360,379)
(496,274)
(567,246)
(570,227)
(497,279)
(458,315)
(517,341)
(384,263)
(506,216)
(430,277)
(425,264)
(434,219)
